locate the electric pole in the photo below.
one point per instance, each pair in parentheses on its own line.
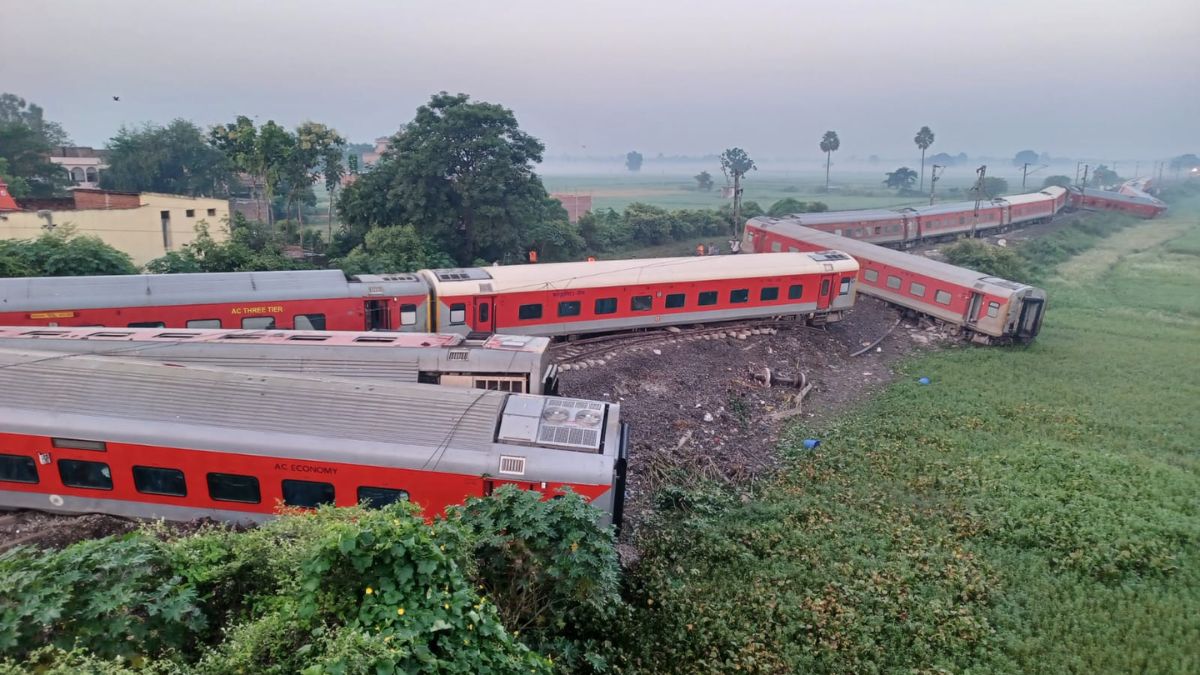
(982,171)
(933,179)
(1085,174)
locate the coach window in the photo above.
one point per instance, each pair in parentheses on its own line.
(153,480)
(739,295)
(18,469)
(259,323)
(568,308)
(529,312)
(776,247)
(309,321)
(230,487)
(606,305)
(147,324)
(845,287)
(378,497)
(917,289)
(942,297)
(676,300)
(707,298)
(795,291)
(204,323)
(641,303)
(307,493)
(90,475)
(824,287)
(769,293)
(993,309)
(871,275)
(408,315)
(893,281)
(793,249)
(458,314)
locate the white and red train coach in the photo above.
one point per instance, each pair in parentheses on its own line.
(100,434)
(615,295)
(988,308)
(553,299)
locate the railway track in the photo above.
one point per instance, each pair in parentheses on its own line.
(587,351)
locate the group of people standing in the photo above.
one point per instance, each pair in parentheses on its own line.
(735,246)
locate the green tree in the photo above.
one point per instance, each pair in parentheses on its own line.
(992,187)
(901,179)
(649,224)
(988,259)
(175,159)
(1186,162)
(633,160)
(388,250)
(16,110)
(62,254)
(251,247)
(462,172)
(316,151)
(1025,157)
(704,181)
(787,206)
(603,230)
(829,145)
(735,164)
(1105,176)
(26,140)
(923,139)
(1060,181)
(263,153)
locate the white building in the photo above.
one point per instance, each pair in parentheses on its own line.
(84,164)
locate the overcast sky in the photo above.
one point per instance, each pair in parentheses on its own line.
(1099,78)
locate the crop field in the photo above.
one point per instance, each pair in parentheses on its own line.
(670,191)
(1033,509)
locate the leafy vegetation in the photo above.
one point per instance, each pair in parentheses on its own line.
(1059,180)
(923,139)
(26,138)
(336,590)
(901,179)
(251,246)
(633,160)
(175,159)
(829,145)
(61,254)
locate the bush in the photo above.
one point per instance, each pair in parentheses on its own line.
(111,597)
(393,249)
(984,257)
(60,254)
(550,568)
(251,247)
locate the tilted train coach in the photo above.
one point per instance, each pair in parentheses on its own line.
(988,308)
(905,227)
(554,299)
(518,363)
(99,434)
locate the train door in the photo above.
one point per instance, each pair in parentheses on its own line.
(828,286)
(485,314)
(377,314)
(974,307)
(1031,318)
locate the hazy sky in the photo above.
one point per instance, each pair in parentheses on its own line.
(1107,78)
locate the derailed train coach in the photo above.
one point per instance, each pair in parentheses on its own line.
(136,438)
(988,309)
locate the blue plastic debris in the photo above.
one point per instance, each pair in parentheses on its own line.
(810,443)
(923,380)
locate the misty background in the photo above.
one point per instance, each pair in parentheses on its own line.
(1074,79)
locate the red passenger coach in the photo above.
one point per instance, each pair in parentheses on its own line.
(988,308)
(613,295)
(306,300)
(1142,206)
(97,434)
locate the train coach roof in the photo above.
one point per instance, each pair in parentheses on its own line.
(142,290)
(1047,195)
(848,217)
(1118,197)
(885,256)
(607,273)
(149,393)
(954,207)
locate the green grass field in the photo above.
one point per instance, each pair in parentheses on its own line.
(1034,509)
(616,191)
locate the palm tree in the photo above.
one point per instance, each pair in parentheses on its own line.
(829,143)
(924,139)
(736,163)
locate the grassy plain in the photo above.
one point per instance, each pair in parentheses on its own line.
(1034,509)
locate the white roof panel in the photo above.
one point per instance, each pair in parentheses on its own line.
(608,273)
